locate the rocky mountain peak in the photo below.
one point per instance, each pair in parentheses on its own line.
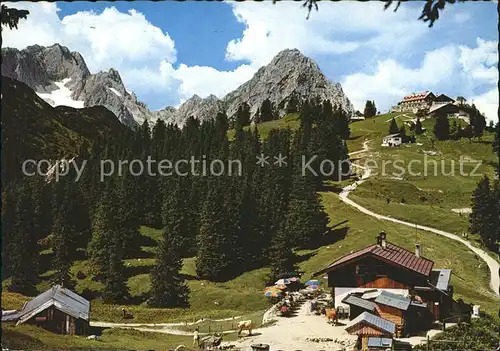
(289,73)
(46,69)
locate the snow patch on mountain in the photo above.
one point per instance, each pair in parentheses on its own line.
(61,96)
(115,91)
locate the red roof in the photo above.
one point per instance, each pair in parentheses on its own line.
(416,97)
(392,254)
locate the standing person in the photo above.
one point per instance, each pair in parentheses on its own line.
(196,338)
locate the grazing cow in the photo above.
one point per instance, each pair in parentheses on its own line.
(245,325)
(331,315)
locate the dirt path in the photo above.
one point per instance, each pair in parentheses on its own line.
(166,328)
(493,265)
(291,333)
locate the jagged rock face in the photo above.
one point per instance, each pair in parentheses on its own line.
(50,70)
(289,73)
(39,66)
(202,109)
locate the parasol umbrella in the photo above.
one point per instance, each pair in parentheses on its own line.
(282,281)
(280,286)
(312,282)
(313,287)
(294,279)
(272,288)
(273,293)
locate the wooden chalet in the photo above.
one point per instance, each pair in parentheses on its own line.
(369,326)
(58,310)
(385,266)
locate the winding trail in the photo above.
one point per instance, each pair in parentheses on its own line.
(493,265)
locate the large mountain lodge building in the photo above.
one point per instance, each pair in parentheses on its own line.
(422,101)
(385,266)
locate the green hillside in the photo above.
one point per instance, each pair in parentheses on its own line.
(351,230)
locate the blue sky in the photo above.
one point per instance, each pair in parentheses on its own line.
(187,48)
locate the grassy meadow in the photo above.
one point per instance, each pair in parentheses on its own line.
(427,201)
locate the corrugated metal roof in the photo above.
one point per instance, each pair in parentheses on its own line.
(371,294)
(440,278)
(377,341)
(394,300)
(392,254)
(63,299)
(375,321)
(356,301)
(10,315)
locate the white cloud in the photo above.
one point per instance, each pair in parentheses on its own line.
(488,104)
(440,71)
(203,81)
(480,62)
(272,28)
(128,42)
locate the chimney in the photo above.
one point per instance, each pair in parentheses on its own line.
(381,240)
(417,250)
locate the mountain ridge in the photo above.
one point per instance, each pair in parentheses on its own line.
(55,72)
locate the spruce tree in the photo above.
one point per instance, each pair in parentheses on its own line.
(292,105)
(442,127)
(115,289)
(23,250)
(266,111)
(8,221)
(481,210)
(305,221)
(282,258)
(418,127)
(168,288)
(370,109)
(212,260)
(495,145)
(393,127)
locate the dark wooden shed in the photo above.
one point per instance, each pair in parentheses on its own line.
(58,310)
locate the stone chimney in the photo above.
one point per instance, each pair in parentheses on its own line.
(417,250)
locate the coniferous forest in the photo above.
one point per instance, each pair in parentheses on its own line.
(231,223)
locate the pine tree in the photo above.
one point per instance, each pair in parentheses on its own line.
(496,139)
(282,259)
(8,221)
(418,127)
(293,105)
(393,127)
(243,115)
(370,109)
(266,111)
(306,222)
(442,127)
(212,261)
(402,133)
(481,210)
(168,289)
(23,250)
(104,230)
(115,283)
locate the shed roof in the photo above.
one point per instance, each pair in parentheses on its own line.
(448,105)
(377,341)
(392,135)
(63,299)
(440,278)
(377,322)
(394,300)
(391,254)
(357,301)
(9,315)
